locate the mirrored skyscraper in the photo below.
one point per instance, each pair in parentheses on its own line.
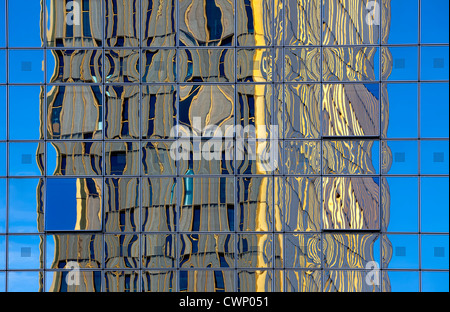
(224,145)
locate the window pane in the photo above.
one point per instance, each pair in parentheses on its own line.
(27,126)
(434,99)
(26,66)
(73,204)
(26,159)
(404,157)
(401,63)
(158,29)
(434,251)
(2,206)
(404,17)
(3,66)
(434,157)
(24,252)
(206,65)
(434,63)
(24,281)
(82,23)
(206,23)
(403,205)
(434,21)
(122,23)
(402,114)
(74,66)
(434,204)
(345,22)
(401,251)
(435,281)
(401,281)
(24,24)
(342,207)
(302,20)
(25,211)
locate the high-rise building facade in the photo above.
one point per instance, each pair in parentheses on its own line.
(224,145)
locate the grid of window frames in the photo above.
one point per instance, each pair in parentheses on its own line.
(89,189)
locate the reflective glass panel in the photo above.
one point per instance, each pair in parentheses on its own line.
(74,112)
(121,204)
(404,18)
(76,24)
(434,110)
(351,109)
(74,158)
(206,23)
(434,63)
(401,281)
(24,281)
(435,281)
(434,21)
(402,204)
(73,204)
(24,24)
(404,157)
(400,63)
(159,29)
(434,251)
(434,157)
(24,252)
(401,119)
(26,198)
(434,204)
(26,66)
(25,126)
(401,251)
(74,66)
(26,159)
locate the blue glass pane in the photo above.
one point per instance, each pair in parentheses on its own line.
(22,213)
(403,22)
(2,281)
(434,21)
(434,157)
(2,24)
(401,281)
(24,126)
(24,252)
(404,65)
(2,206)
(434,204)
(435,281)
(24,23)
(61,205)
(2,113)
(23,281)
(434,99)
(403,205)
(2,159)
(434,63)
(2,66)
(25,66)
(405,252)
(434,252)
(404,157)
(73,204)
(403,102)
(2,252)
(23,159)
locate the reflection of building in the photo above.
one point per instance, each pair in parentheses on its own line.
(147,198)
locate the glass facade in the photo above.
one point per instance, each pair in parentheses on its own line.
(224,145)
